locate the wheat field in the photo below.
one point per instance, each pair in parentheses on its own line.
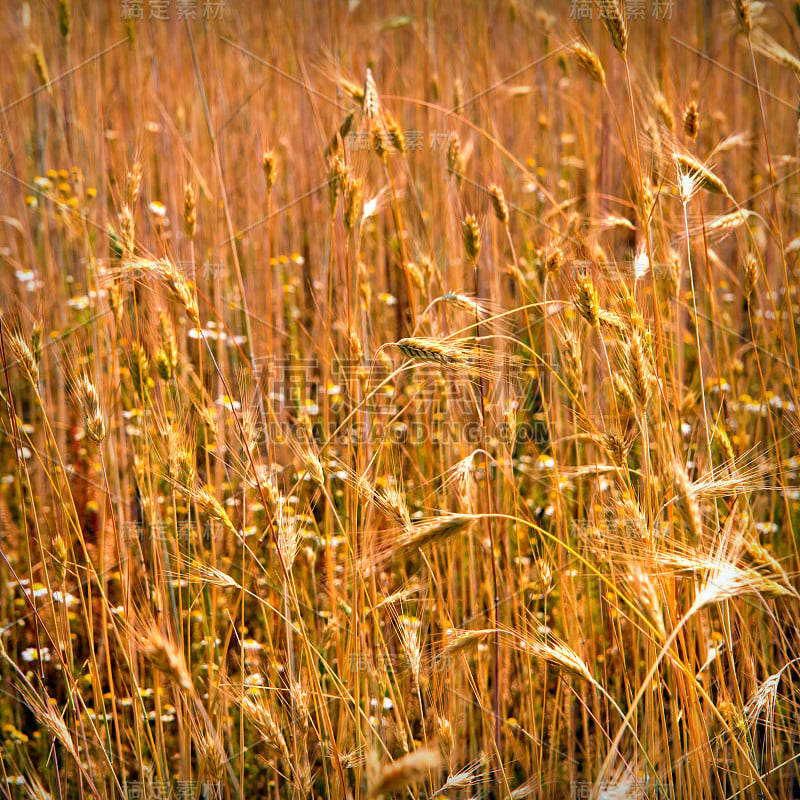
(399,399)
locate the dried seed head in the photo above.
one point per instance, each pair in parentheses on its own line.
(264,481)
(211,753)
(351,192)
(415,274)
(270,167)
(435,531)
(554,652)
(766,45)
(380,139)
(189,211)
(615,25)
(616,447)
(719,226)
(646,596)
(393,502)
(257,710)
(127,231)
(437,351)
(640,376)
(673,273)
(455,161)
(396,135)
(312,466)
(750,276)
(355,92)
(573,363)
(370,103)
(134,184)
(461,640)
(64,17)
(466,303)
(24,355)
(37,335)
(589,62)
(164,655)
(458,96)
(412,649)
(691,121)
(180,458)
(613,322)
(721,437)
(471,235)
(336,144)
(687,502)
(444,731)
(337,173)
(206,499)
(587,300)
(664,111)
(692,175)
(623,392)
(40,66)
(288,535)
(499,204)
(554,259)
(89,400)
(406,771)
(167,353)
(179,287)
(140,369)
(60,554)
(742,10)
(435,93)
(354,342)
